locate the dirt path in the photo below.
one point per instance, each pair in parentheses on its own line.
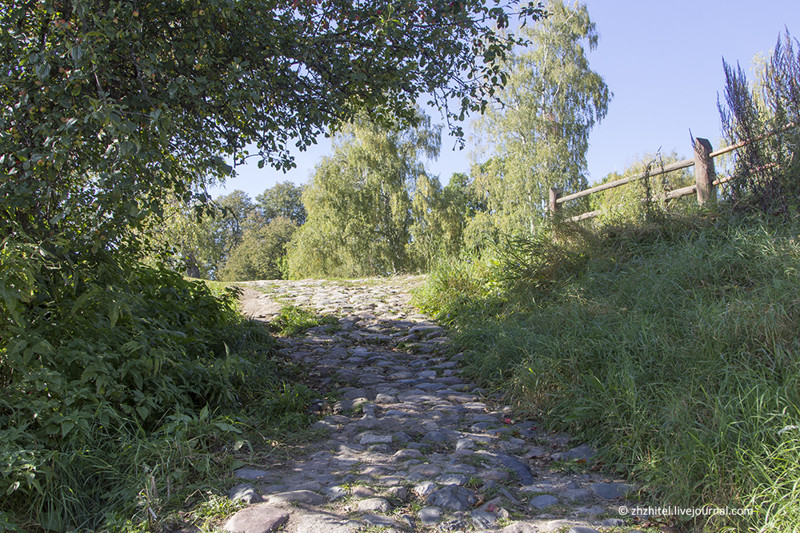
(411,446)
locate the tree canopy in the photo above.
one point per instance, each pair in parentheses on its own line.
(358,202)
(282,200)
(108,106)
(539,134)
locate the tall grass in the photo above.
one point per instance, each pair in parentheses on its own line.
(674,347)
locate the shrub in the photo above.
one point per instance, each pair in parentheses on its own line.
(767,117)
(116,377)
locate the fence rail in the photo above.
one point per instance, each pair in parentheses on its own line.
(704,186)
(705,177)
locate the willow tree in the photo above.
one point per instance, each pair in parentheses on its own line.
(359,203)
(539,135)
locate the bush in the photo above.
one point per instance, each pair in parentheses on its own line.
(642,200)
(116,377)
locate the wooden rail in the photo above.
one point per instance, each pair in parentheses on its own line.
(705,177)
(705,180)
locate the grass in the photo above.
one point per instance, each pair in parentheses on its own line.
(293,321)
(673,346)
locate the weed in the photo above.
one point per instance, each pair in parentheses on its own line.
(292,321)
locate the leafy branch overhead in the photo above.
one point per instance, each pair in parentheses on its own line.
(108,106)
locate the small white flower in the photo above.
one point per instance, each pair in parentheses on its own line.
(787,428)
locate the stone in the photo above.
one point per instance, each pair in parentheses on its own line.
(398,493)
(583,529)
(406,454)
(452,497)
(337,492)
(463,445)
(435,437)
(452,479)
(425,488)
(297,496)
(385,399)
(383,522)
(429,515)
(426,470)
(483,519)
(584,452)
(360,491)
(369,438)
(518,467)
(374,505)
(320,523)
(260,518)
(454,524)
(250,473)
(611,491)
(246,493)
(544,501)
(577,495)
(495,475)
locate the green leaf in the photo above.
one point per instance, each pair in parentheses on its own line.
(66,427)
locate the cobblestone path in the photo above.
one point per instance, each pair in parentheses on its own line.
(411,445)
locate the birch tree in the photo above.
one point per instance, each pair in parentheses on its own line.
(538,136)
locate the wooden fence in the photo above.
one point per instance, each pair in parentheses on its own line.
(704,187)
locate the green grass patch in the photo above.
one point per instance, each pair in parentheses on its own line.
(293,321)
(673,346)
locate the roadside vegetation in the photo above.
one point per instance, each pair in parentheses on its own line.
(129,394)
(665,336)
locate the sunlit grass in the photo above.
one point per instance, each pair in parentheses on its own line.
(673,347)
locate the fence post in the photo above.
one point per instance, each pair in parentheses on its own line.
(704,172)
(553,205)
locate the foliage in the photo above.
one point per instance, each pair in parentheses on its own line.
(109,107)
(282,200)
(539,136)
(261,254)
(199,242)
(358,203)
(293,321)
(767,169)
(673,347)
(102,366)
(439,216)
(640,200)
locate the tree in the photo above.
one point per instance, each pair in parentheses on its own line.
(282,200)
(110,106)
(439,216)
(540,132)
(261,254)
(198,244)
(358,201)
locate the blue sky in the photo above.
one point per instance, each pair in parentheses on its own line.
(663,62)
